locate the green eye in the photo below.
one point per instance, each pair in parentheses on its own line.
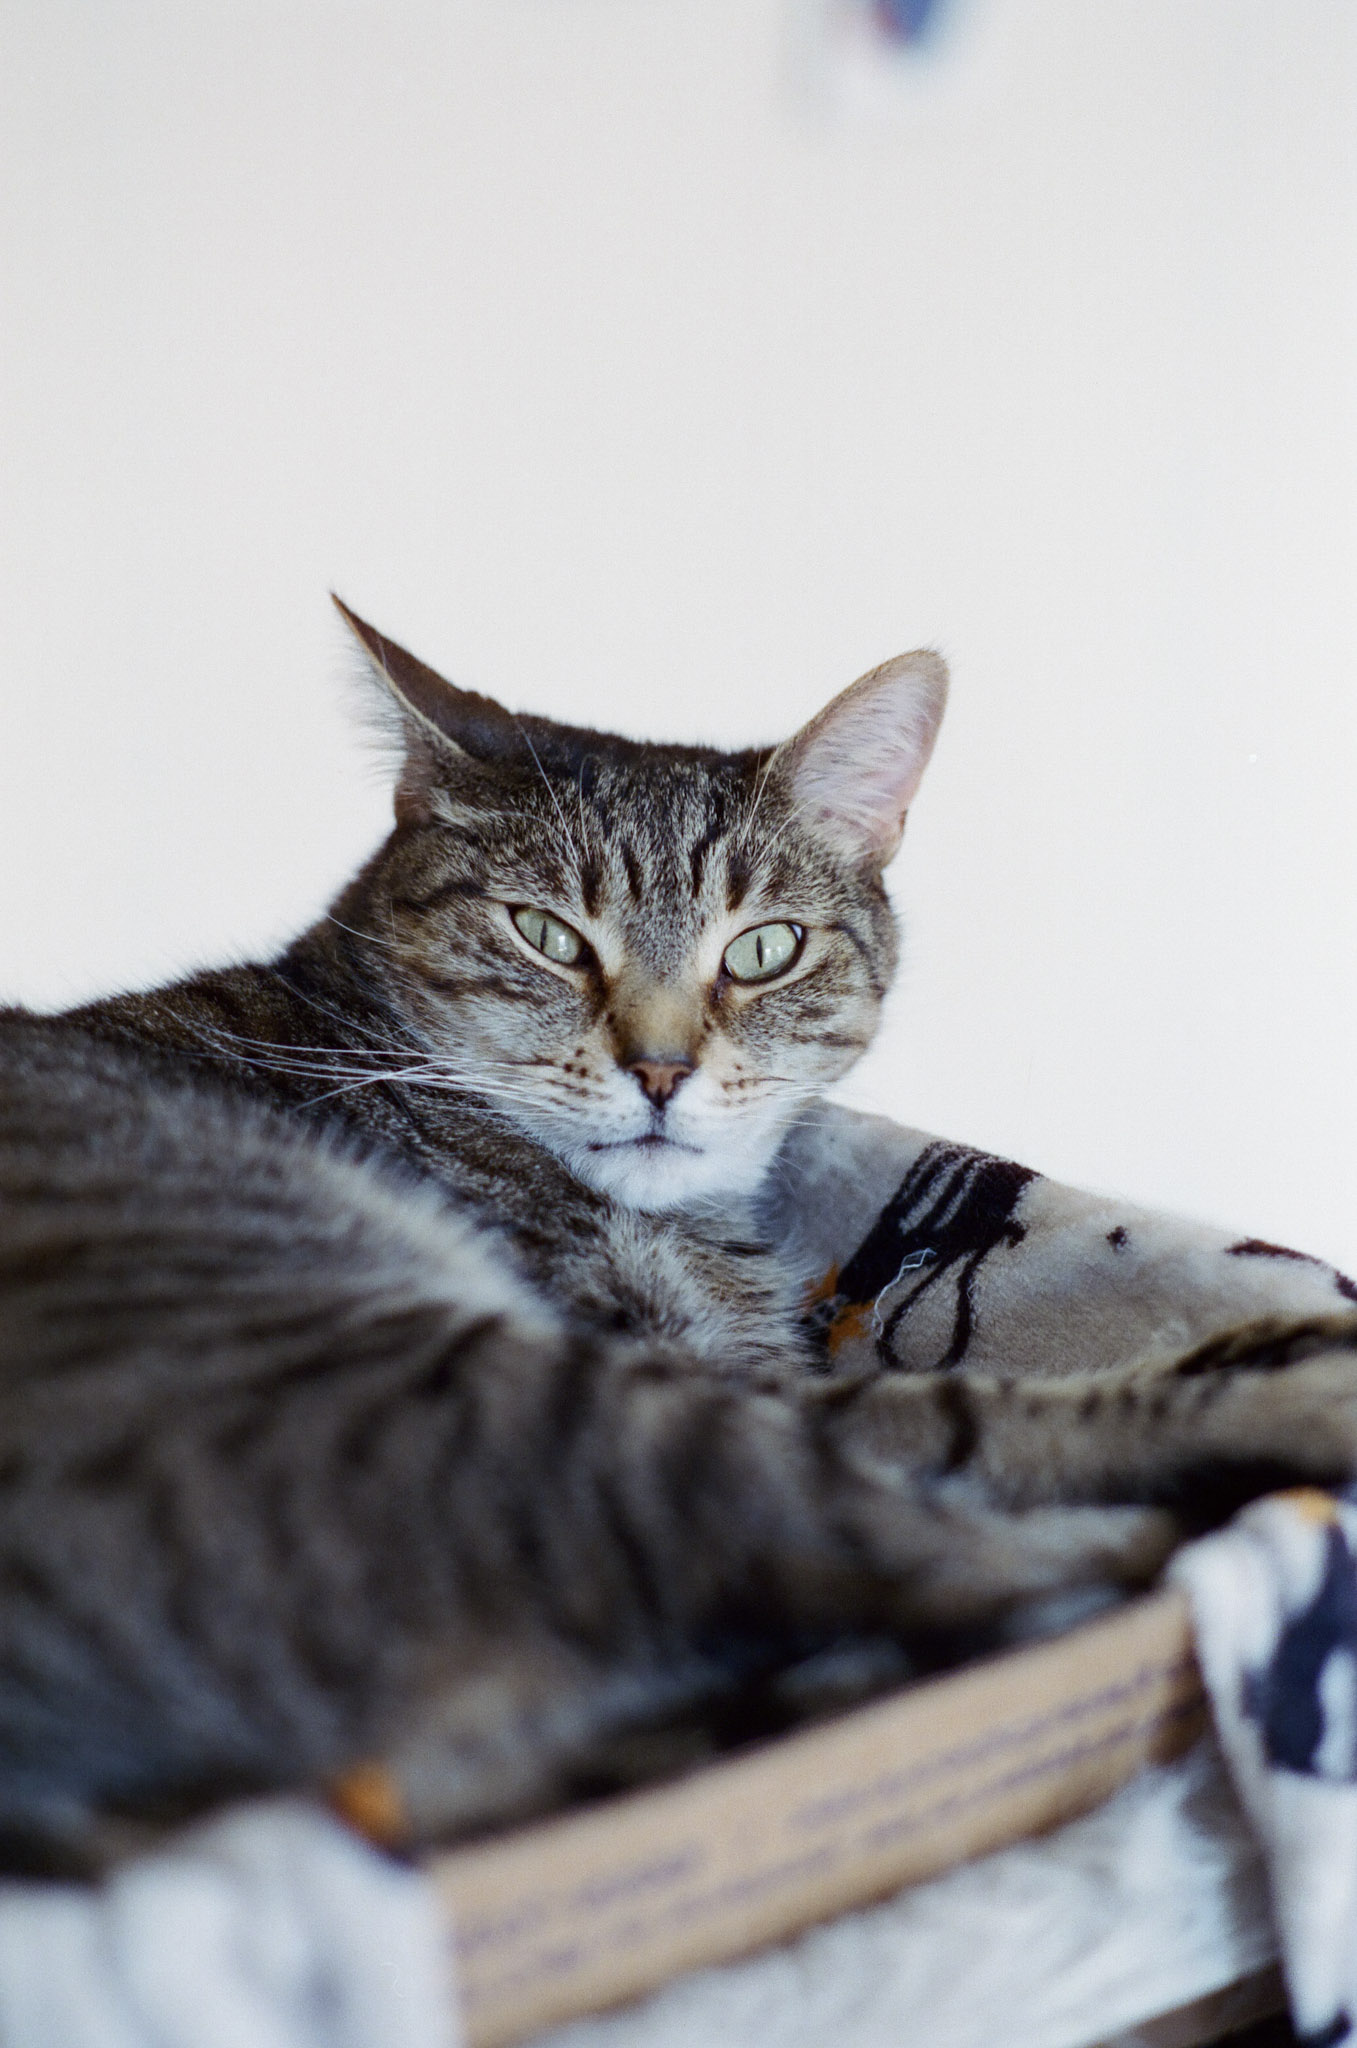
(760,954)
(550,936)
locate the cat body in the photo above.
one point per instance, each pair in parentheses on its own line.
(393,1371)
(279,1235)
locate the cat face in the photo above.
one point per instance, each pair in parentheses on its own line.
(648,957)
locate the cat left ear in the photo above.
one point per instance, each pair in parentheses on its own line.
(442,724)
(854,768)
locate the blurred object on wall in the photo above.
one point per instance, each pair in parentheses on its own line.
(905,21)
(899,59)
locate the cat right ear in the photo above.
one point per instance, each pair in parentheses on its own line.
(442,727)
(852,772)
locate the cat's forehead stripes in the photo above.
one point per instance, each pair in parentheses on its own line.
(648,859)
(663,840)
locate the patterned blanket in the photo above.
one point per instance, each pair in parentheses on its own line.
(1275,1602)
(929,1254)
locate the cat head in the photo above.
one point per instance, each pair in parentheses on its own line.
(648,957)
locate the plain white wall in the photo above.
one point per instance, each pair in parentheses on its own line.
(586,348)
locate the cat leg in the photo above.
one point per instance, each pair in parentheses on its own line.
(521,1727)
(689,1535)
(1267,1405)
(692,1511)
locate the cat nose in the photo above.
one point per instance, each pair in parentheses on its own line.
(660,1079)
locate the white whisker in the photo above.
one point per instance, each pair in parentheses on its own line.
(345,1022)
(369,938)
(527,741)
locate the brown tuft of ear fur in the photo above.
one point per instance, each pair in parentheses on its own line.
(441,722)
(854,769)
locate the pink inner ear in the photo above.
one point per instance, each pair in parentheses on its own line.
(855,767)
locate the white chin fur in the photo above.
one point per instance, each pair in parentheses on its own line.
(671,1177)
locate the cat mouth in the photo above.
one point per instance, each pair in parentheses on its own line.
(649,1141)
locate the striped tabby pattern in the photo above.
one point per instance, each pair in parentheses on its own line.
(391,1367)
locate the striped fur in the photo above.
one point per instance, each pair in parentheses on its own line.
(386,1373)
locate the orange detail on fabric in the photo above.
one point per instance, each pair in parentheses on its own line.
(851,1321)
(847,1322)
(1310,1504)
(369,1799)
(823,1290)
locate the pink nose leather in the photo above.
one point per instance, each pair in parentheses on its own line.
(660,1079)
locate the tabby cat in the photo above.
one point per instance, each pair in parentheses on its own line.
(394,1387)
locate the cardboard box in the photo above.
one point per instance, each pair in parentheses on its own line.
(598,1906)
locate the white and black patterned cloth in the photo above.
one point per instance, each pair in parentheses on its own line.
(1275,1602)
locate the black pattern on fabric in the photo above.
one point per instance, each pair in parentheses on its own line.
(952,1209)
(1259,1248)
(1286,1696)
